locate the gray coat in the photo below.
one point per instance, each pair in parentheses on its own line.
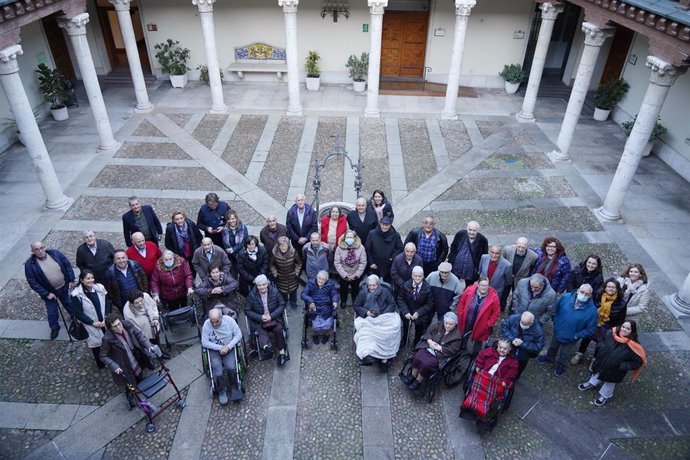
(201,263)
(528,261)
(503,276)
(543,307)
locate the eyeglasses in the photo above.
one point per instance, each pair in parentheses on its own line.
(551,246)
(483,285)
(444,273)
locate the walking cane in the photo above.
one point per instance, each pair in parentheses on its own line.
(65,323)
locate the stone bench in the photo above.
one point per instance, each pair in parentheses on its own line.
(259,57)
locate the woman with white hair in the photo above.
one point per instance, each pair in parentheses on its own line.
(439,343)
(264,309)
(377,325)
(321,298)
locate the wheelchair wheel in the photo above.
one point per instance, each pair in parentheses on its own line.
(431,392)
(454,373)
(407,367)
(204,362)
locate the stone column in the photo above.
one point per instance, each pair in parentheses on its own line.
(462,16)
(290,13)
(549,13)
(76,29)
(209,32)
(130,41)
(680,301)
(376,9)
(26,123)
(663,76)
(595,36)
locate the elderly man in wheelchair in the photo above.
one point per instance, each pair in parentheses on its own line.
(489,386)
(220,335)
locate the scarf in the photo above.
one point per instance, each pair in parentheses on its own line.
(631,288)
(370,304)
(635,347)
(604,309)
(126,342)
(182,236)
(549,267)
(350,258)
(252,255)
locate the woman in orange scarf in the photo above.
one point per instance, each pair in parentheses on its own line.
(615,356)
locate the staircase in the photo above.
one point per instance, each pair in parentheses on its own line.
(122,77)
(551,87)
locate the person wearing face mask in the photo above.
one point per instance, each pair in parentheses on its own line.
(350,261)
(526,336)
(635,285)
(575,318)
(478,310)
(589,271)
(171,281)
(415,304)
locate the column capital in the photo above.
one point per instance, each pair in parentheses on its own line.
(289,6)
(464,7)
(120,5)
(550,11)
(75,25)
(663,73)
(596,35)
(205,6)
(8,59)
(377,6)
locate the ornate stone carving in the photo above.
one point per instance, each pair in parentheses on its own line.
(205,6)
(377,6)
(75,25)
(550,11)
(663,73)
(120,5)
(8,59)
(464,7)
(595,35)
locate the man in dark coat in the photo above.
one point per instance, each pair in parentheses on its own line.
(403,263)
(141,219)
(95,255)
(525,335)
(50,274)
(122,277)
(208,255)
(432,244)
(466,252)
(362,219)
(301,221)
(271,232)
(383,244)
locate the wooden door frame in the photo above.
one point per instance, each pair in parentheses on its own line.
(426,43)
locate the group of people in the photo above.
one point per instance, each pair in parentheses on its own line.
(410,283)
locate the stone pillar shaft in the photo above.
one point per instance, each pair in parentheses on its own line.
(76,29)
(462,16)
(549,13)
(376,10)
(662,77)
(26,123)
(595,37)
(290,14)
(130,42)
(209,32)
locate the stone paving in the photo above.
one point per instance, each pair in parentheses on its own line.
(484,166)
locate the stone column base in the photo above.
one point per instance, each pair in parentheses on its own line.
(677,305)
(525,117)
(557,155)
(606,215)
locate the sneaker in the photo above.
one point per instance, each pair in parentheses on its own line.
(560,370)
(575,360)
(585,386)
(543,359)
(600,401)
(223,398)
(54,333)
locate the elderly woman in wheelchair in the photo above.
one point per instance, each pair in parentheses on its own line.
(220,335)
(377,325)
(321,298)
(264,310)
(440,342)
(489,387)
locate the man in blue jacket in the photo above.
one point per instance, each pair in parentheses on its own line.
(525,335)
(50,274)
(576,318)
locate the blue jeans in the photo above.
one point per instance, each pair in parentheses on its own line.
(53,307)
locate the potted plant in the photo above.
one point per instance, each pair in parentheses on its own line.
(607,96)
(203,73)
(358,69)
(513,76)
(658,130)
(311,65)
(50,85)
(173,60)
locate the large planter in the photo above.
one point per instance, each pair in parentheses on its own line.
(313,83)
(601,114)
(178,81)
(359,86)
(60,114)
(511,88)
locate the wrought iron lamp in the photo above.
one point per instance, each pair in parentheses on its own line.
(335,8)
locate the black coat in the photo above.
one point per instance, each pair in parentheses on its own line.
(129,224)
(613,360)
(423,304)
(477,248)
(114,355)
(250,269)
(580,276)
(382,248)
(98,263)
(618,311)
(193,234)
(254,308)
(362,229)
(441,244)
(384,301)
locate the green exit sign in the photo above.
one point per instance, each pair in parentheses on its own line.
(365,27)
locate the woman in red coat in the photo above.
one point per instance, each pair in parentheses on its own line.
(332,226)
(171,281)
(478,310)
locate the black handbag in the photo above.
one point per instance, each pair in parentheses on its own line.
(77,330)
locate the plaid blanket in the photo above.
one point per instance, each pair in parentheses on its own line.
(484,391)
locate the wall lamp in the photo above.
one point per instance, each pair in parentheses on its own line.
(335,8)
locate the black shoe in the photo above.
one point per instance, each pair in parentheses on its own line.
(407,379)
(164,355)
(54,333)
(366,361)
(414,385)
(315,339)
(324,339)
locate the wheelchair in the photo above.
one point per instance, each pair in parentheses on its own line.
(307,325)
(238,390)
(257,353)
(498,406)
(452,372)
(177,319)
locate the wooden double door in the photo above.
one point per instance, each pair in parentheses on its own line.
(403,44)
